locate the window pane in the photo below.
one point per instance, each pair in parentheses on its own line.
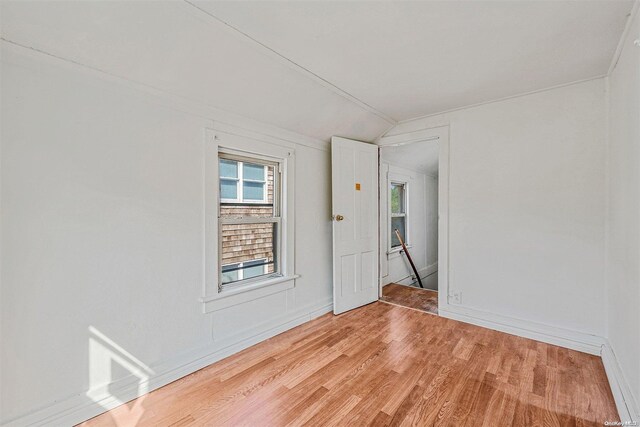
(397,198)
(228,189)
(229,273)
(249,244)
(253,191)
(228,168)
(399,224)
(254,268)
(253,171)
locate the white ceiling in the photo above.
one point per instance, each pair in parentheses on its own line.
(413,58)
(418,156)
(342,68)
(174,47)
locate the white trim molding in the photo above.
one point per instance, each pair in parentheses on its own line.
(408,138)
(567,338)
(440,134)
(225,137)
(626,404)
(248,293)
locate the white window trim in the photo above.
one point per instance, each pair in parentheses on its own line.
(240,180)
(227,138)
(391,179)
(275,219)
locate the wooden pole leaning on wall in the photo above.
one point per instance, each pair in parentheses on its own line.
(406,252)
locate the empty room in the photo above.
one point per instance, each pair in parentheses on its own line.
(322,213)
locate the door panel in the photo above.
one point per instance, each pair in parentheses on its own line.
(355,226)
(369,270)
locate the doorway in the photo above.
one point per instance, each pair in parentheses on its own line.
(362,220)
(409,226)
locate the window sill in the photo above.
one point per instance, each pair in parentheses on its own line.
(248,292)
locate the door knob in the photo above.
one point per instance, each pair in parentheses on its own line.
(339,217)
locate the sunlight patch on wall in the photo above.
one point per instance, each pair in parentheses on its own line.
(113,374)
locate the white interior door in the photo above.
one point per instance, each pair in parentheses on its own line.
(355,223)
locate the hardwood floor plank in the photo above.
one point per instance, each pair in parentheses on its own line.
(407,407)
(381,420)
(306,409)
(384,365)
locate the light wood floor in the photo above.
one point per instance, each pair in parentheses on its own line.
(408,296)
(384,365)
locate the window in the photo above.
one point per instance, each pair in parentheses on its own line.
(249,219)
(398,212)
(243,182)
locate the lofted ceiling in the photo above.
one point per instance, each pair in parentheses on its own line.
(412,58)
(329,68)
(176,48)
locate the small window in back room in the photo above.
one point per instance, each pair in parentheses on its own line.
(250,221)
(398,212)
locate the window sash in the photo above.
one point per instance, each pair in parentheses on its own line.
(402,186)
(240,160)
(404,214)
(277,247)
(239,181)
(239,220)
(249,220)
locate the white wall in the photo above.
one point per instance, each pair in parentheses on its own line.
(527,208)
(623,237)
(102,227)
(423,208)
(431,189)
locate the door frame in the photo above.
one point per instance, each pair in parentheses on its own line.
(441,134)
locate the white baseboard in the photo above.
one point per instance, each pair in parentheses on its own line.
(428,270)
(79,408)
(626,404)
(574,340)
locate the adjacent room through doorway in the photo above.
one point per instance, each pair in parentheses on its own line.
(409,224)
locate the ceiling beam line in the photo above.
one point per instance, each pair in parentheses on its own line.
(505,98)
(295,66)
